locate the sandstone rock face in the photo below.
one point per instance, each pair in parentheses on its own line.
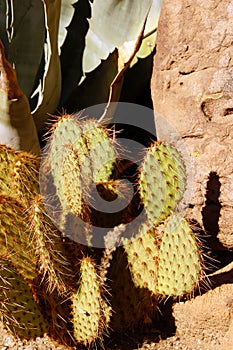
(206,322)
(192,91)
(207,319)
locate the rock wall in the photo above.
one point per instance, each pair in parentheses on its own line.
(192,91)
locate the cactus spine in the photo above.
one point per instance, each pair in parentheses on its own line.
(48,248)
(18,174)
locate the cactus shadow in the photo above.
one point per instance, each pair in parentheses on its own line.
(212,209)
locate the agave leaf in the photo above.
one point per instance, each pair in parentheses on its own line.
(17,128)
(48,90)
(72,51)
(23,34)
(95,88)
(124,60)
(3,24)
(148,43)
(67,12)
(112,23)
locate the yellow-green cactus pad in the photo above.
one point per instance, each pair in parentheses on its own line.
(179,258)
(142,254)
(19,310)
(91,313)
(162,181)
(15,237)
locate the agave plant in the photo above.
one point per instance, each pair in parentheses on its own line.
(54,64)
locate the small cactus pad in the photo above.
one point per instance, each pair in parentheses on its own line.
(65,139)
(166,259)
(15,237)
(81,155)
(48,248)
(162,182)
(91,313)
(101,151)
(179,259)
(7,157)
(18,308)
(18,174)
(142,254)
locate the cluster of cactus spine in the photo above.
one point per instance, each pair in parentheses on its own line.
(162,258)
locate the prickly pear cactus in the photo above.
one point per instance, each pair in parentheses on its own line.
(163,256)
(81,155)
(7,157)
(91,313)
(15,237)
(48,248)
(19,174)
(162,181)
(165,259)
(179,258)
(142,254)
(18,308)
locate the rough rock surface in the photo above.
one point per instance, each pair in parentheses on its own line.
(192,90)
(207,318)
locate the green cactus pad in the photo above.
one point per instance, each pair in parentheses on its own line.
(47,245)
(18,174)
(18,308)
(91,313)
(72,185)
(25,176)
(66,134)
(179,259)
(167,259)
(81,155)
(162,182)
(7,157)
(15,237)
(101,151)
(142,254)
